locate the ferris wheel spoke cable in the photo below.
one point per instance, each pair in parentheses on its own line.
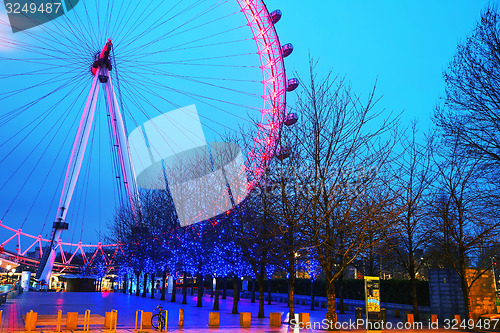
(17,145)
(114,173)
(54,162)
(150,44)
(13,115)
(30,174)
(152,27)
(148,101)
(56,131)
(139,18)
(183,47)
(202,98)
(202,26)
(24,90)
(47,38)
(183,63)
(134,97)
(51,69)
(118,190)
(201,82)
(40,118)
(207,119)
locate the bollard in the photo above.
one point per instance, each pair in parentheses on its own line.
(71,320)
(136,316)
(114,320)
(434,318)
(86,321)
(245,319)
(213,319)
(275,318)
(397,313)
(146,319)
(142,315)
(304,319)
(457,318)
(30,323)
(181,317)
(359,313)
(409,317)
(383,314)
(59,319)
(27,322)
(107,319)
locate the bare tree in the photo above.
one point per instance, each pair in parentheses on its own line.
(343,178)
(464,217)
(408,238)
(471,111)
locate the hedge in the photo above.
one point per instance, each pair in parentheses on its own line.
(391,291)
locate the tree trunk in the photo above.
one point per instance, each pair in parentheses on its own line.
(192,285)
(212,289)
(163,284)
(341,293)
(236,298)
(260,280)
(414,296)
(224,287)
(137,292)
(253,291)
(291,297)
(312,294)
(153,286)
(331,313)
(268,291)
(184,289)
(174,288)
(465,293)
(145,285)
(125,285)
(200,290)
(216,300)
(131,283)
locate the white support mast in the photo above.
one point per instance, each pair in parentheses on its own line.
(101,68)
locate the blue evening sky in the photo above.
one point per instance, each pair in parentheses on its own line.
(406,45)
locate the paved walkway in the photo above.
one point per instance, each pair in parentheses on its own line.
(196,319)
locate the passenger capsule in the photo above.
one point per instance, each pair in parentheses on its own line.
(292,84)
(282,153)
(275,16)
(291,119)
(287,49)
